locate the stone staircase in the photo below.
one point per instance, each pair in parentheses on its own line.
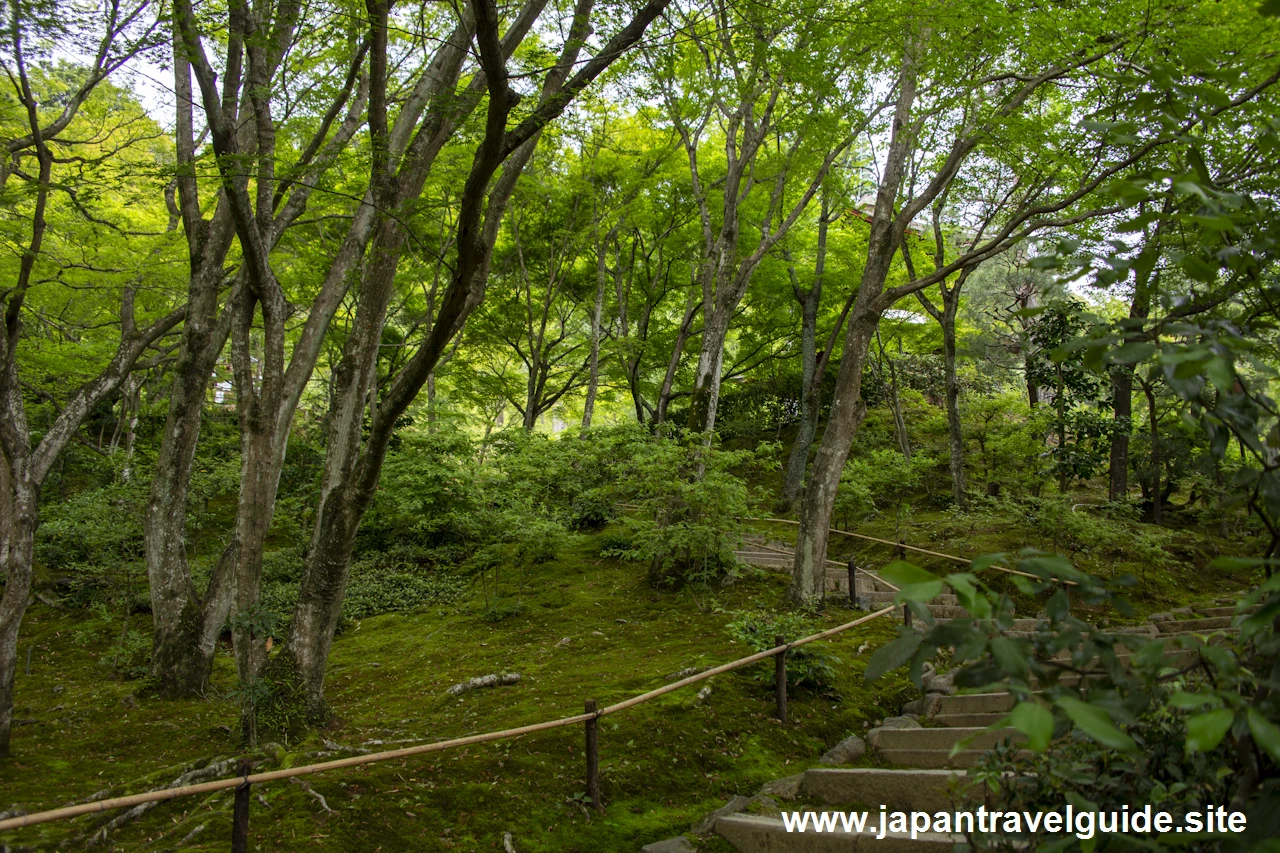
(926,771)
(870,590)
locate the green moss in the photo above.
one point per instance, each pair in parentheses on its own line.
(664,764)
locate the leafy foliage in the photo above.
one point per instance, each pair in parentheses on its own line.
(690,507)
(810,666)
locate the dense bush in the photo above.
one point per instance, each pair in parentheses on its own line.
(690,503)
(810,666)
(1136,730)
(878,483)
(1009,437)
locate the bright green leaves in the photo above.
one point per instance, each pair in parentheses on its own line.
(1205,731)
(913,582)
(1094,721)
(965,587)
(1265,733)
(1035,721)
(892,656)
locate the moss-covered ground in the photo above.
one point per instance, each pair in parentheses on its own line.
(81,732)
(663,764)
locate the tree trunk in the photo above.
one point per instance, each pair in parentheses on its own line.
(673,364)
(955,436)
(23,503)
(847,413)
(706,383)
(1060,403)
(352,465)
(899,420)
(847,406)
(810,369)
(185,624)
(1122,411)
(1153,416)
(593,363)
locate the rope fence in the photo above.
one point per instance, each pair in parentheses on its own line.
(243,780)
(902,546)
(590,717)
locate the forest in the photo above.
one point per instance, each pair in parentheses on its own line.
(376,374)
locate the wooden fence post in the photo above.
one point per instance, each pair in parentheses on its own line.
(240,815)
(853,582)
(906,615)
(780,678)
(593,756)
(901,550)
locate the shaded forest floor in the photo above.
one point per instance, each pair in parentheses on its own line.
(664,764)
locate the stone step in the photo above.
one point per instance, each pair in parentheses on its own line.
(1183,626)
(945,738)
(1219,635)
(755,834)
(937,758)
(1210,612)
(765,559)
(902,790)
(961,721)
(975,703)
(881,599)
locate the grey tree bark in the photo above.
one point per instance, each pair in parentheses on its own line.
(186,621)
(1022,213)
(26,460)
(352,470)
(812,363)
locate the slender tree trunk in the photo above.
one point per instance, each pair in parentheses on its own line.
(593,363)
(1122,411)
(431,402)
(810,388)
(1060,403)
(847,406)
(673,364)
(353,466)
(847,413)
(895,405)
(706,384)
(955,435)
(186,623)
(23,502)
(810,369)
(1153,416)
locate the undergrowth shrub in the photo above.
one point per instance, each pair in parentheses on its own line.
(1138,730)
(878,483)
(810,666)
(690,503)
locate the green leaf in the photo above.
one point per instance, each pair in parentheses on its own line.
(1093,721)
(1133,353)
(1059,605)
(913,582)
(1035,721)
(1205,731)
(1010,656)
(985,562)
(1190,701)
(1151,654)
(892,656)
(1265,733)
(900,573)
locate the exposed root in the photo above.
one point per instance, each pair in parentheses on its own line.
(294,780)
